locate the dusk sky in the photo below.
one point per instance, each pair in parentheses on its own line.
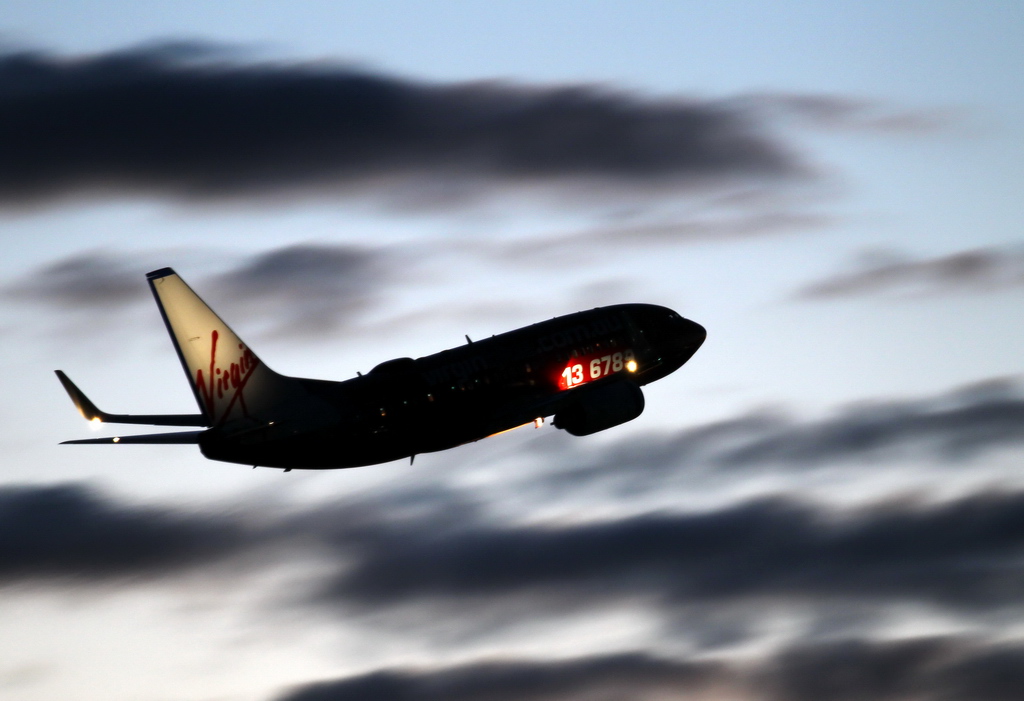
(826,502)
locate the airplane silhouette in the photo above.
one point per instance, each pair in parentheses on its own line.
(585,369)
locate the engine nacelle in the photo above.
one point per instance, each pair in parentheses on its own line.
(601,407)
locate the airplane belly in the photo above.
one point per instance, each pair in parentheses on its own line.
(306,454)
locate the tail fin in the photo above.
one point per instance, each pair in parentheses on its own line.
(228,380)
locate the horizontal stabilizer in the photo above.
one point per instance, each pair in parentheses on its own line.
(182,437)
(91,412)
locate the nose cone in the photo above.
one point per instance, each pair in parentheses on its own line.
(670,339)
(689,338)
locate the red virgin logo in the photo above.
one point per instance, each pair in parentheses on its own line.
(226,381)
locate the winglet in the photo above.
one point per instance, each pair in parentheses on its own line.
(93,413)
(85,407)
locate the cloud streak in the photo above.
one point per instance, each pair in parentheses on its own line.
(963,555)
(71,532)
(633,676)
(891,273)
(432,559)
(306,290)
(928,668)
(844,113)
(953,428)
(314,288)
(90,281)
(178,124)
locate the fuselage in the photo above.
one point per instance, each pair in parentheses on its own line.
(404,407)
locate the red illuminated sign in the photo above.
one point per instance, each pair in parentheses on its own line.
(585,369)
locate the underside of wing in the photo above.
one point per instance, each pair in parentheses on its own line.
(181,437)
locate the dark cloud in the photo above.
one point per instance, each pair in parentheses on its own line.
(879,272)
(939,669)
(85,281)
(953,427)
(307,289)
(915,669)
(964,555)
(69,531)
(633,676)
(182,123)
(434,565)
(432,549)
(953,431)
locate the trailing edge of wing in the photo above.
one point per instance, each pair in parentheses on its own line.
(93,413)
(182,437)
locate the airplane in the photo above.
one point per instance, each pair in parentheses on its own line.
(584,369)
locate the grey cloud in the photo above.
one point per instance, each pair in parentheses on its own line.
(964,555)
(432,554)
(766,223)
(85,281)
(732,222)
(69,531)
(305,289)
(73,530)
(308,289)
(953,432)
(879,272)
(629,676)
(939,669)
(838,112)
(923,669)
(180,123)
(432,548)
(957,426)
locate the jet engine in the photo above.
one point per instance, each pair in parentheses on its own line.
(601,406)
